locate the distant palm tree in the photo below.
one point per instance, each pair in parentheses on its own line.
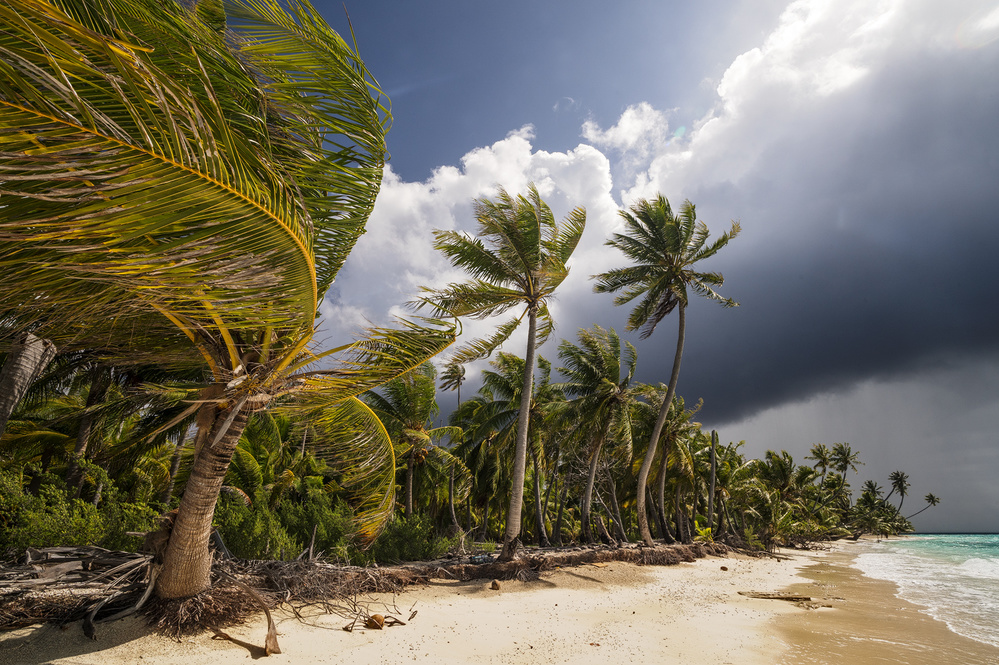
(407,406)
(518,259)
(664,246)
(931,500)
(598,384)
(900,484)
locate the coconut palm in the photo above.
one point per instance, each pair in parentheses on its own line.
(518,259)
(408,405)
(597,383)
(931,500)
(665,247)
(178,195)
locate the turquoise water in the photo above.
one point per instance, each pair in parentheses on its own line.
(954,576)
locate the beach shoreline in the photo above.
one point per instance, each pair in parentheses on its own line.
(615,612)
(868,622)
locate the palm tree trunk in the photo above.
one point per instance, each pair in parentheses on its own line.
(643,473)
(711,490)
(410,463)
(561,508)
(587,500)
(661,491)
(681,533)
(616,507)
(28,356)
(187,561)
(450,501)
(539,513)
(520,452)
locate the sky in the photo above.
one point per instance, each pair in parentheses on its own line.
(856,142)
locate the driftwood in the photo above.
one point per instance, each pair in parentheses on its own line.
(777,595)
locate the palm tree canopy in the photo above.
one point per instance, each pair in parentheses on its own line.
(164,176)
(663,246)
(598,382)
(519,257)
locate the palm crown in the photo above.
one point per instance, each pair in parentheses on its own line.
(664,248)
(519,257)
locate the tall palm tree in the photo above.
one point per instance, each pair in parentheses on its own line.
(518,259)
(598,384)
(664,246)
(180,196)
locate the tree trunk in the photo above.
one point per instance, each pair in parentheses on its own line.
(661,490)
(27,358)
(561,508)
(681,533)
(410,464)
(587,500)
(616,509)
(643,473)
(711,489)
(539,512)
(450,501)
(520,452)
(187,561)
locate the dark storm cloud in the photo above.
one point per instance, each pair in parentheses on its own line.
(869,247)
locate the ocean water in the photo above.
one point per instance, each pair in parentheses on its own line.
(955,577)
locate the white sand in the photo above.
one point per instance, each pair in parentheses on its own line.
(618,613)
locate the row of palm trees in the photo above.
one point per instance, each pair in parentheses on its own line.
(587,439)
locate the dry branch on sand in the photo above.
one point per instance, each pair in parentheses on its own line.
(69,584)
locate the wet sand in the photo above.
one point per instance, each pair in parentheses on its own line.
(868,624)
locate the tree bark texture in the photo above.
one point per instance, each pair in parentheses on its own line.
(643,473)
(187,561)
(520,452)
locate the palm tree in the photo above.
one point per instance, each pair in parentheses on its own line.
(664,247)
(190,207)
(899,483)
(931,500)
(598,384)
(822,457)
(518,259)
(408,405)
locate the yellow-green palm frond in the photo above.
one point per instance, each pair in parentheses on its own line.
(383,355)
(163,182)
(353,441)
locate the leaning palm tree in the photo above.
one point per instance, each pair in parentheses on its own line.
(664,247)
(518,259)
(181,195)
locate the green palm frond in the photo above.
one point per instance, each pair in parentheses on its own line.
(353,441)
(664,246)
(159,182)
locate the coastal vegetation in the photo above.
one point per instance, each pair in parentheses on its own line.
(181,184)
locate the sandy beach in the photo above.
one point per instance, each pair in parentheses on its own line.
(616,613)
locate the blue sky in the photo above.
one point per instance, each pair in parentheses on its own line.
(855,141)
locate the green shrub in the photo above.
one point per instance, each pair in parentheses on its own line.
(412,539)
(254,532)
(332,519)
(53,519)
